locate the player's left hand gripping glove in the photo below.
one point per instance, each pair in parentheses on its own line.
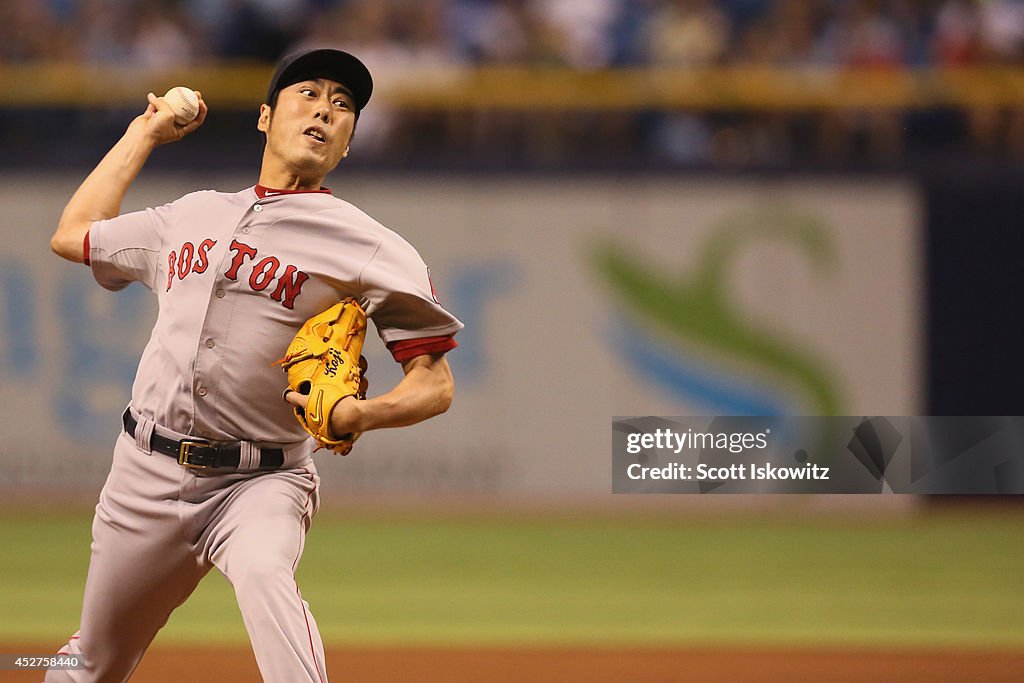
(324,362)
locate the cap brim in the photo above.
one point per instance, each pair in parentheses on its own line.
(335,65)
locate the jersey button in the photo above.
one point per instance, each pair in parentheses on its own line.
(202,391)
(210,343)
(257,208)
(246,230)
(219,293)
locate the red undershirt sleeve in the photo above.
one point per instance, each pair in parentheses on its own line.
(407,349)
(85,250)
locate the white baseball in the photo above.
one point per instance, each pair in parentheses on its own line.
(184,103)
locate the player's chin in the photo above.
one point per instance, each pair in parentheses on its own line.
(322,153)
(312,163)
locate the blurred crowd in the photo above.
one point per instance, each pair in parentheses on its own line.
(580,34)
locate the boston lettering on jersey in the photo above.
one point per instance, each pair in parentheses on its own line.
(190,259)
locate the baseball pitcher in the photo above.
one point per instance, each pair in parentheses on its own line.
(252,365)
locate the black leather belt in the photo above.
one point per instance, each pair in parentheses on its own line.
(203,454)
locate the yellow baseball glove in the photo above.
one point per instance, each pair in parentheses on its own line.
(324,362)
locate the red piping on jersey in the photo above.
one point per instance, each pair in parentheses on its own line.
(407,349)
(262,191)
(85,250)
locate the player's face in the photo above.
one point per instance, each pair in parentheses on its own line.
(310,126)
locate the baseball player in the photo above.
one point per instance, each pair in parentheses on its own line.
(212,469)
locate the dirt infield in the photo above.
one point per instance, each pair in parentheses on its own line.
(457,665)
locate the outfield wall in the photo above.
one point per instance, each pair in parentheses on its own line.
(582,298)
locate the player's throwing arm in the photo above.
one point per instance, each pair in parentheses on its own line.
(99,197)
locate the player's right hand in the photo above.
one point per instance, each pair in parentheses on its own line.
(157,122)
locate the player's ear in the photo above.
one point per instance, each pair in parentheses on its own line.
(264,121)
(345,153)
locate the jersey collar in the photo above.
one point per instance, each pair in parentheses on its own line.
(264,192)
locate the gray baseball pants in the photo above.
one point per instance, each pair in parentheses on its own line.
(160,527)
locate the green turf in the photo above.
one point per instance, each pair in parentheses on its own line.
(927,581)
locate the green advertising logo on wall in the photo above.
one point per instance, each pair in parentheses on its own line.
(693,338)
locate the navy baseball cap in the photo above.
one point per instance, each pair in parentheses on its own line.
(323,63)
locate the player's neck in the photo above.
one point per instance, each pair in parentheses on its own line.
(281,178)
(289,183)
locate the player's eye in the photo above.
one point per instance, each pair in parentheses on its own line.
(341,104)
(306,91)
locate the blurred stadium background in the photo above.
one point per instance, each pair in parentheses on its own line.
(839,180)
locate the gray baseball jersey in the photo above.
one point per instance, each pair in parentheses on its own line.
(235,275)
